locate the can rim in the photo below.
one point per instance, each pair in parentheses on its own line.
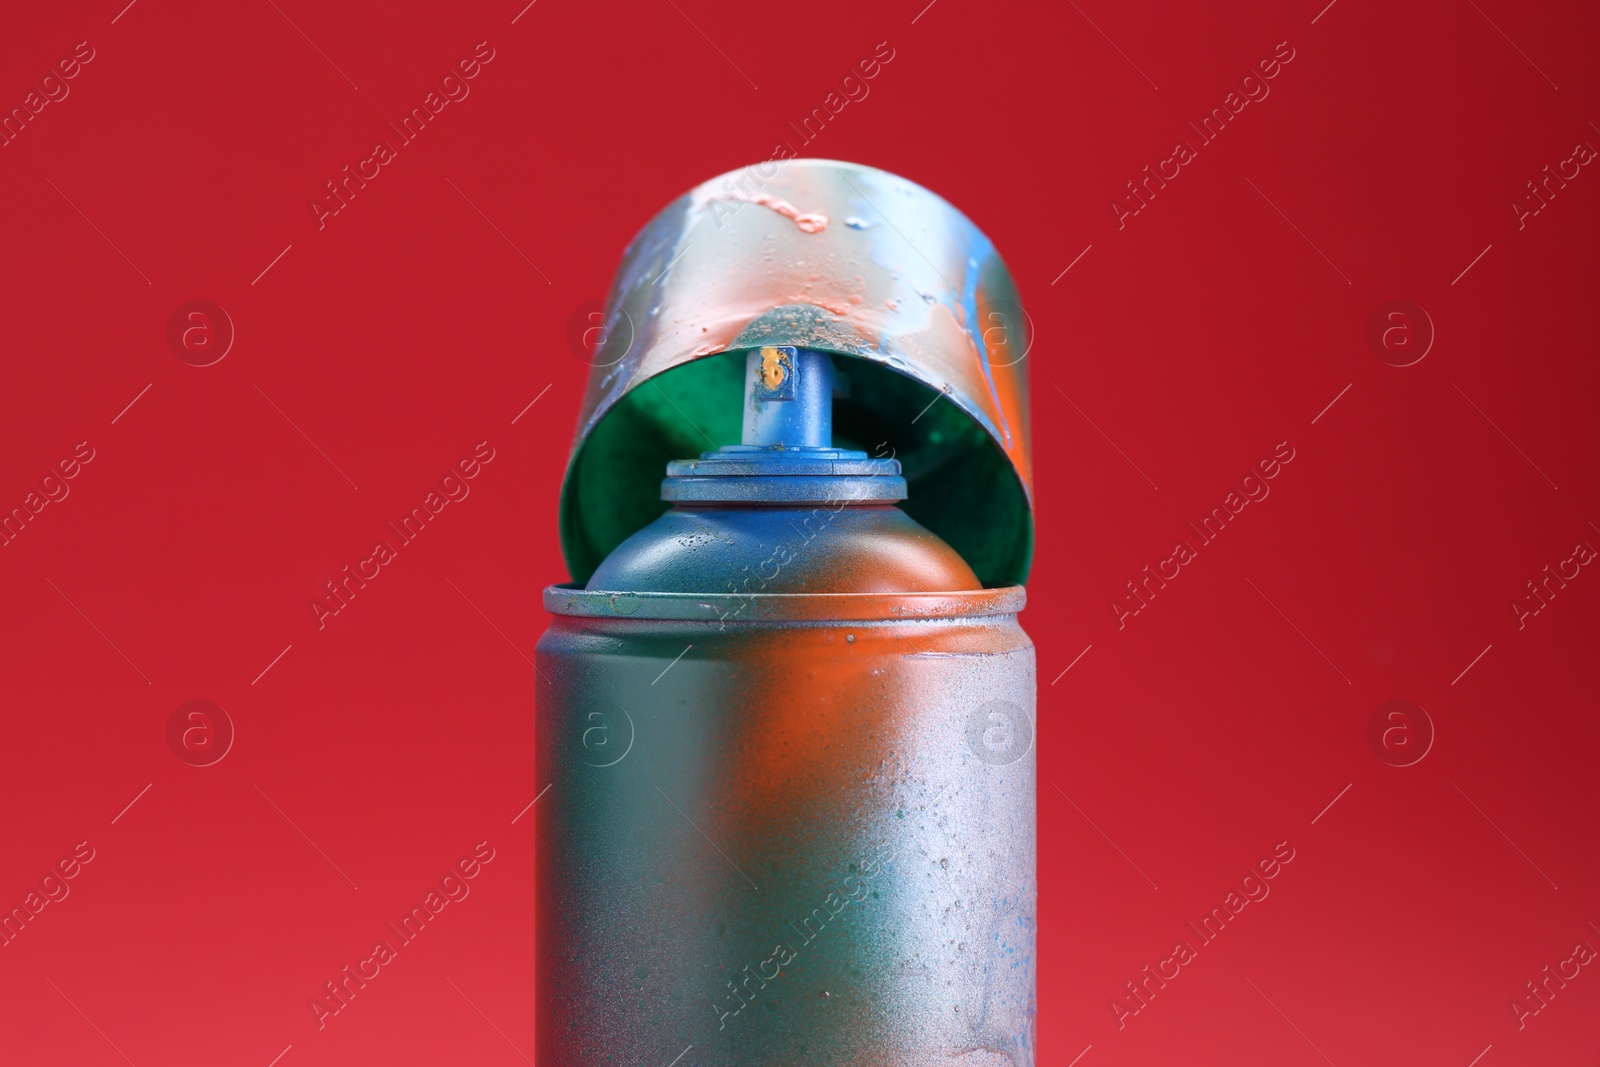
(574,600)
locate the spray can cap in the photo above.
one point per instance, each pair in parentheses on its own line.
(929,338)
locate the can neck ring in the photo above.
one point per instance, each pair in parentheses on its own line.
(727,609)
(756,475)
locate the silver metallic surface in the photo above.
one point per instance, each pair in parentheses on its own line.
(786,839)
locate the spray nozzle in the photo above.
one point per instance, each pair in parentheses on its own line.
(788,398)
(787,454)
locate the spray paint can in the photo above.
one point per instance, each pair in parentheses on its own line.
(787,722)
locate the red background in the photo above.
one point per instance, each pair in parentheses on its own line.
(1220,721)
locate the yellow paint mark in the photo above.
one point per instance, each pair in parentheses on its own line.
(774,368)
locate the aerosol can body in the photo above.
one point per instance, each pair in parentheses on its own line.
(786,728)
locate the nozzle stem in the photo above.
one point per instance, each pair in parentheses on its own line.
(788,398)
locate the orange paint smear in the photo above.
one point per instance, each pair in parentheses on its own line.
(808,223)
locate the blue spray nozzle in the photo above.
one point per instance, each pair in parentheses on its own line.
(787,454)
(788,398)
